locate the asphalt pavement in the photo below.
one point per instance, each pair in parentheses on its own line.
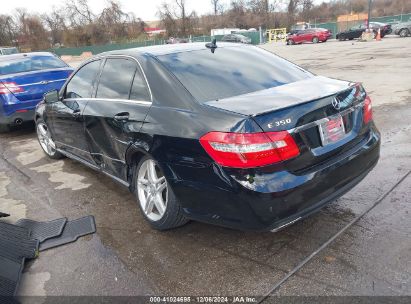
(359,245)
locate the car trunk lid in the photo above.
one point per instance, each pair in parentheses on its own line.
(281,97)
(308,109)
(32,85)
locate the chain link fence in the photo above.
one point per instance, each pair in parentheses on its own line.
(256,37)
(97,49)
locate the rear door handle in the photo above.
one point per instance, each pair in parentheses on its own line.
(122,116)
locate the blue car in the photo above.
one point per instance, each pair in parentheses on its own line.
(24,78)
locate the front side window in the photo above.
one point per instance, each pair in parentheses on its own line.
(82,83)
(115,80)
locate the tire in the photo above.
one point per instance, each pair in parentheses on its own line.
(350,38)
(404,33)
(4,128)
(315,40)
(290,42)
(46,141)
(164,211)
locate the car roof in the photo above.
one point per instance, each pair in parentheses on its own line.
(24,55)
(158,50)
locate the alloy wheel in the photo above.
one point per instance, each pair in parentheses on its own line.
(46,142)
(152,190)
(404,33)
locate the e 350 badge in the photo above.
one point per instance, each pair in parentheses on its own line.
(279,123)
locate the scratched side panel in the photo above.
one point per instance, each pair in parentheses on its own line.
(109,138)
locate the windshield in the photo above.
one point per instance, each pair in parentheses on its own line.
(9,51)
(27,64)
(230,71)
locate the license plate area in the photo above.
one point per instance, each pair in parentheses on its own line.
(332,131)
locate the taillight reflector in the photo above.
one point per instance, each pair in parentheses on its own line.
(247,150)
(367,110)
(10,87)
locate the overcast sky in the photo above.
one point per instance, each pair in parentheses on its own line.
(145,9)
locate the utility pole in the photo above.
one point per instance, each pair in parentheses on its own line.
(369,14)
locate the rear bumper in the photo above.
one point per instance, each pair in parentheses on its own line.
(10,113)
(16,117)
(324,38)
(266,200)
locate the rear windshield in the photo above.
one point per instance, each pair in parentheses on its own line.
(27,64)
(230,71)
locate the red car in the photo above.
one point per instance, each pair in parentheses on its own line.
(313,35)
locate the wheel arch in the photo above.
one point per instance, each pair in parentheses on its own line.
(134,154)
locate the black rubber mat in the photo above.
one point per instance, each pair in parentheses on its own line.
(4,214)
(43,230)
(72,231)
(10,273)
(15,248)
(9,230)
(15,243)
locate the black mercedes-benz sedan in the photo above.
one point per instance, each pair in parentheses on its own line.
(227,134)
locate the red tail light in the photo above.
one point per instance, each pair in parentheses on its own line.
(367,110)
(247,150)
(9,87)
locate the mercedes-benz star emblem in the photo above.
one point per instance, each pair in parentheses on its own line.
(336,103)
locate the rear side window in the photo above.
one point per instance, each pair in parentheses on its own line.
(82,83)
(139,90)
(116,78)
(230,71)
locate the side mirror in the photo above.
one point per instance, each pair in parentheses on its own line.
(51,96)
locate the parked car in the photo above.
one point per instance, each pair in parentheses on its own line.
(313,35)
(8,50)
(24,78)
(236,38)
(198,132)
(173,40)
(403,29)
(385,29)
(356,31)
